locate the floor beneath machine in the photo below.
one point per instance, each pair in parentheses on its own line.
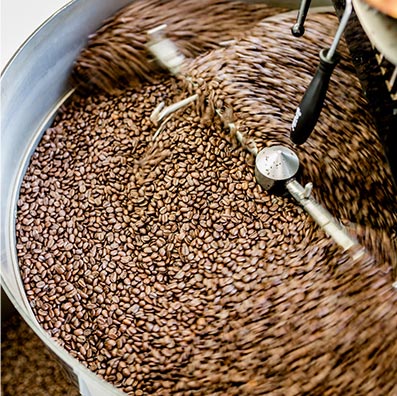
(27,367)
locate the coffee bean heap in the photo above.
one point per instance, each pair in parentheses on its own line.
(165,268)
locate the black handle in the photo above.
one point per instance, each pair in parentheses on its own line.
(309,110)
(298,29)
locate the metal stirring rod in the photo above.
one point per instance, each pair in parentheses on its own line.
(342,25)
(275,170)
(309,110)
(278,165)
(299,29)
(274,164)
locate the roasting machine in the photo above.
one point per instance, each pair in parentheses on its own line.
(36,82)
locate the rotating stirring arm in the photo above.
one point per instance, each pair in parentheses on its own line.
(278,165)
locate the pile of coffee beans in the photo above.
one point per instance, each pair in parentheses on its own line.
(162,265)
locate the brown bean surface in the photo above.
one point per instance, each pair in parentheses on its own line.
(166,269)
(116,56)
